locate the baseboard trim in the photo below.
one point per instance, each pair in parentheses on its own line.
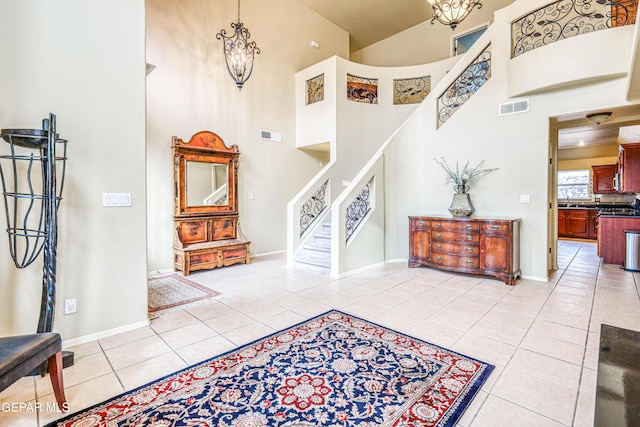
(104,334)
(535,278)
(265,254)
(356,271)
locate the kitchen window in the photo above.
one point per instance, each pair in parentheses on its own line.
(574,184)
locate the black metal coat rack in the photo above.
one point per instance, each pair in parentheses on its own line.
(32,193)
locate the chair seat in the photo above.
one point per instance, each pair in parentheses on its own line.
(22,354)
(19,355)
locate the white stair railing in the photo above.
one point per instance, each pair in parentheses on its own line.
(307,209)
(218,197)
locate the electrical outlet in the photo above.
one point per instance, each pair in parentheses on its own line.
(70,306)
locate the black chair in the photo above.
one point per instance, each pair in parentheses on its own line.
(21,355)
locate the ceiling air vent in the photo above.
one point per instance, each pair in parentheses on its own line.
(271,136)
(515,107)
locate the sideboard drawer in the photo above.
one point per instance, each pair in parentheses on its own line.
(420,223)
(455,226)
(496,228)
(448,236)
(456,248)
(456,261)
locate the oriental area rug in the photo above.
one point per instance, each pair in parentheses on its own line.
(173,290)
(332,370)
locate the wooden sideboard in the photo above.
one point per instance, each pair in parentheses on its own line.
(466,245)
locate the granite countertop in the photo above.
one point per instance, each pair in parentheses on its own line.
(592,205)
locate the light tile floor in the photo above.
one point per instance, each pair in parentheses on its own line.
(542,336)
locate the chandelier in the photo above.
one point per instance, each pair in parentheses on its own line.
(239,52)
(452,12)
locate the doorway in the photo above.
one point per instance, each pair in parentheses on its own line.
(575,143)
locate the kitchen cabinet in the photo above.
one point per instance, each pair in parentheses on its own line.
(593,224)
(629,168)
(562,222)
(466,245)
(611,237)
(603,177)
(577,223)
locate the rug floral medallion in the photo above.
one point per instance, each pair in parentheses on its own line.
(332,370)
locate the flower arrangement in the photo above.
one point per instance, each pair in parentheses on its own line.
(467,176)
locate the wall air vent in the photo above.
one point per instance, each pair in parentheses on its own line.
(271,136)
(515,107)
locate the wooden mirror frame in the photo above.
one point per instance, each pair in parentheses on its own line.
(206,147)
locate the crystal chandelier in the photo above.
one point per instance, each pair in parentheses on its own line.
(239,52)
(452,12)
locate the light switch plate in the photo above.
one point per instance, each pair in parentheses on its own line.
(116,199)
(525,198)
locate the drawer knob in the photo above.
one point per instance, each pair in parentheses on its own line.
(469,227)
(469,262)
(469,237)
(495,227)
(438,225)
(420,222)
(438,245)
(438,258)
(438,235)
(469,250)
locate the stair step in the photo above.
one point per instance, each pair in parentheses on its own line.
(319,261)
(323,246)
(316,254)
(322,235)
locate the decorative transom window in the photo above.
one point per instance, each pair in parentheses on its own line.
(573,184)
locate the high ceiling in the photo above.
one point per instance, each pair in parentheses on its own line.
(369,21)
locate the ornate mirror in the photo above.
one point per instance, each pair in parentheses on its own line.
(205,179)
(207,184)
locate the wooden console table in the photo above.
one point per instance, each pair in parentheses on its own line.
(466,245)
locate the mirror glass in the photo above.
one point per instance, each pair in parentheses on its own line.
(206,184)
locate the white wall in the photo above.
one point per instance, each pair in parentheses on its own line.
(84,62)
(518,145)
(190,91)
(354,130)
(424,43)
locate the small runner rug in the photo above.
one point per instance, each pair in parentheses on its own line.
(332,370)
(174,290)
